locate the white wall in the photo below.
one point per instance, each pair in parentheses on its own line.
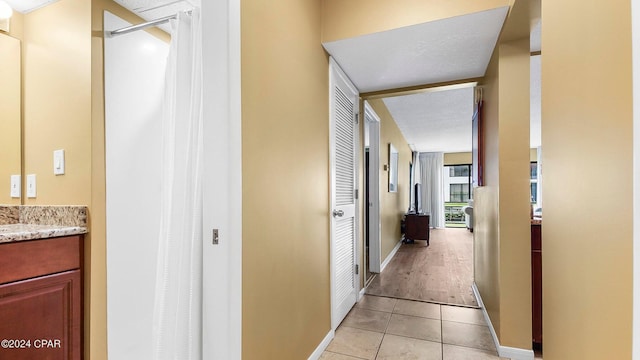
(134,82)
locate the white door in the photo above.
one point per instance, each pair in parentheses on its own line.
(343,104)
(373,120)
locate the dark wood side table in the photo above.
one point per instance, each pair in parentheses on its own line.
(416,227)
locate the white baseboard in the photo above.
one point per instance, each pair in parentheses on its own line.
(390,256)
(315,355)
(503,351)
(361,293)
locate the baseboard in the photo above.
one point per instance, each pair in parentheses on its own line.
(361,293)
(315,355)
(503,351)
(516,353)
(387,260)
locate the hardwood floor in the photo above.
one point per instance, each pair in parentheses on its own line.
(441,272)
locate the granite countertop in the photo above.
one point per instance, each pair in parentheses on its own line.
(20,223)
(20,232)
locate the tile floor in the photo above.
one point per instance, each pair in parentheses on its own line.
(387,328)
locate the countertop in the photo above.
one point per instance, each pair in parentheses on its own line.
(30,222)
(21,232)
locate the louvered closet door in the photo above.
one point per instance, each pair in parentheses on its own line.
(344,280)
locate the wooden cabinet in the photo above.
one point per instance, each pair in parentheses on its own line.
(416,227)
(41,299)
(536,285)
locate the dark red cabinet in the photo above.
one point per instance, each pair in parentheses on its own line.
(41,305)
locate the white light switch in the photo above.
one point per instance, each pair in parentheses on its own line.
(31,185)
(58,162)
(15,186)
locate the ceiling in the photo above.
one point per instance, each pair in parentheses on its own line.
(435,121)
(146,9)
(25,6)
(155,9)
(433,52)
(437,51)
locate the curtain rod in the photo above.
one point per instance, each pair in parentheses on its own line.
(145,25)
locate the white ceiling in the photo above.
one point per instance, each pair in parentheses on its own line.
(25,6)
(435,121)
(438,51)
(155,9)
(431,52)
(146,9)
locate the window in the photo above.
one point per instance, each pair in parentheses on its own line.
(533,180)
(459,192)
(533,170)
(459,170)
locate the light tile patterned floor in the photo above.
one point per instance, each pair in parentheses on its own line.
(384,328)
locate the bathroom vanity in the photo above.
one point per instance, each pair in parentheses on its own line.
(41,288)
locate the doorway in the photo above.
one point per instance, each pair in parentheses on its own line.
(372,193)
(443,271)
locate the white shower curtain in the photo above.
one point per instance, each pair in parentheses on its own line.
(177,321)
(432,178)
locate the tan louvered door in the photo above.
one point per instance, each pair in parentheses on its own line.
(344,132)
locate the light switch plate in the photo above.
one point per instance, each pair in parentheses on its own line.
(15,186)
(58,162)
(31,185)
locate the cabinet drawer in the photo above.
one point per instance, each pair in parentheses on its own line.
(26,259)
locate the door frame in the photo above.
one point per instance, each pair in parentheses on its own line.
(375,245)
(222,195)
(336,74)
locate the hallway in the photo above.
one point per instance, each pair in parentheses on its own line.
(386,328)
(441,272)
(446,324)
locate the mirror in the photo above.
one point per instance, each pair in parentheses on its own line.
(10,115)
(393,168)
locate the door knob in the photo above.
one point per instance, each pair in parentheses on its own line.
(338,213)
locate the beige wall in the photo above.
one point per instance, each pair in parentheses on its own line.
(587,156)
(10,108)
(502,229)
(459,158)
(486,228)
(466,157)
(57,109)
(514,198)
(57,100)
(392,205)
(285,145)
(345,19)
